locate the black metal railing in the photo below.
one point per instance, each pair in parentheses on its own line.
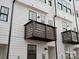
(70,37)
(39,31)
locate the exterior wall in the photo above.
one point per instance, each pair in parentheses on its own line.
(20,17)
(18,33)
(18,43)
(65,15)
(4,26)
(4,29)
(51,52)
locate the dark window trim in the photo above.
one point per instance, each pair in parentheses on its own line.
(33,12)
(60,1)
(50,3)
(65,7)
(60,4)
(69,9)
(45,1)
(4,14)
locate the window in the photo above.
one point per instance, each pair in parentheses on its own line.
(64,3)
(4,13)
(64,6)
(67,53)
(32,15)
(66,25)
(44,1)
(31,52)
(50,22)
(60,4)
(42,18)
(68,8)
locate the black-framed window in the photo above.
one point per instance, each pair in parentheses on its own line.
(31,51)
(66,25)
(4,13)
(59,6)
(64,8)
(69,10)
(67,52)
(32,15)
(42,18)
(50,22)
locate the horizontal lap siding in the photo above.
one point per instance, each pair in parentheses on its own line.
(4,26)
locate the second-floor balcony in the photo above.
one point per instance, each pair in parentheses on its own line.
(70,37)
(39,31)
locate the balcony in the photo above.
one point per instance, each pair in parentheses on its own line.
(39,31)
(70,37)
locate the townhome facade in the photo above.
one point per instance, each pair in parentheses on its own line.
(41,29)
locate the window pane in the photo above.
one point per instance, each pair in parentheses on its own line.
(69,10)
(59,6)
(68,5)
(64,25)
(64,3)
(50,22)
(60,1)
(3,17)
(2,10)
(32,15)
(64,8)
(42,19)
(4,13)
(67,52)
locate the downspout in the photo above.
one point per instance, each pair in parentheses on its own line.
(10,30)
(75,19)
(54,18)
(75,15)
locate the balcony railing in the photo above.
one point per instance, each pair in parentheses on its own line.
(70,37)
(39,31)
